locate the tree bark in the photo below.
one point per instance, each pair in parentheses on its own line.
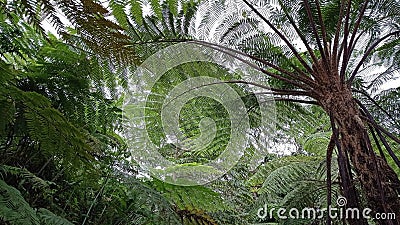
(380,184)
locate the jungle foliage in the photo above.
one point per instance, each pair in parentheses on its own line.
(63,156)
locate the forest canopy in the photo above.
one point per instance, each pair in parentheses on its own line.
(199,112)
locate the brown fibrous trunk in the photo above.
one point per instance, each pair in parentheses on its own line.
(380,184)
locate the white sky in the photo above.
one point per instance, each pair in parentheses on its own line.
(391,84)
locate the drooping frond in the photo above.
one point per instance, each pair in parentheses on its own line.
(308,130)
(13,208)
(88,18)
(293,182)
(49,218)
(196,203)
(16,211)
(164,23)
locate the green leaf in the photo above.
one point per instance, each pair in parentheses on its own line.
(49,218)
(156,7)
(137,11)
(13,207)
(173,6)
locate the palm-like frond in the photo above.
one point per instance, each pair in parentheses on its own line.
(13,208)
(309,130)
(98,33)
(195,203)
(293,182)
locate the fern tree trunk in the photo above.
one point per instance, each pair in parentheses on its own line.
(379,182)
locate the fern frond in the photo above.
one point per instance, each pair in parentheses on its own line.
(37,182)
(13,207)
(48,218)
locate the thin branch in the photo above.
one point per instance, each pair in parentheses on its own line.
(284,92)
(392,69)
(356,26)
(372,121)
(388,148)
(378,145)
(308,68)
(297,100)
(94,201)
(273,90)
(304,78)
(376,104)
(357,39)
(353,42)
(344,44)
(366,54)
(329,153)
(390,135)
(337,33)
(134,30)
(158,41)
(301,35)
(366,28)
(323,29)
(378,131)
(79,48)
(317,38)
(254,66)
(154,25)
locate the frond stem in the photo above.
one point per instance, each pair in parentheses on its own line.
(323,29)
(344,44)
(376,104)
(329,153)
(378,145)
(302,77)
(296,100)
(379,131)
(356,26)
(317,38)
(302,37)
(308,68)
(337,32)
(256,67)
